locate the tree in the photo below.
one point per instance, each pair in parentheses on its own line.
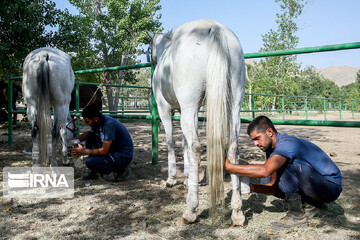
(352,91)
(23,28)
(280,71)
(115,30)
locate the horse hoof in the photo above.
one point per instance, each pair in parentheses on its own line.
(237,219)
(184,221)
(188,217)
(170,183)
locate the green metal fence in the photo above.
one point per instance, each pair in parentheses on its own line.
(299,103)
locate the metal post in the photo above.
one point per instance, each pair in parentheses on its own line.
(340,108)
(122,105)
(154,125)
(253,105)
(283,106)
(306,108)
(10,109)
(324,108)
(77,106)
(352,108)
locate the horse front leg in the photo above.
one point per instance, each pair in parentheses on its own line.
(64,149)
(186,160)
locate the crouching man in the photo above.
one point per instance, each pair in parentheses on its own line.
(108,144)
(296,170)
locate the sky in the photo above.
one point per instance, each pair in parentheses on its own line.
(323,22)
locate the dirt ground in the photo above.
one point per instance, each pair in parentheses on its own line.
(143,208)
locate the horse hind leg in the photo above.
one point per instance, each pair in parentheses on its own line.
(55,134)
(165,113)
(189,127)
(237,216)
(31,113)
(35,153)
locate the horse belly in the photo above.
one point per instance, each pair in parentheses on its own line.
(163,85)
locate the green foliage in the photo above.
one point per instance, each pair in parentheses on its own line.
(23,28)
(352,91)
(279,73)
(109,33)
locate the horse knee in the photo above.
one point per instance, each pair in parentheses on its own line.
(55,133)
(196,148)
(232,152)
(34,131)
(170,144)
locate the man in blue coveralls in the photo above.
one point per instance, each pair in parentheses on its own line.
(108,144)
(295,169)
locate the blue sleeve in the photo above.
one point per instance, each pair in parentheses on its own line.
(286,149)
(109,132)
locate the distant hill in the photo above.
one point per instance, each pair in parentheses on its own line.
(341,75)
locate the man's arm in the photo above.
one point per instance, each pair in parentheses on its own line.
(267,188)
(84,135)
(271,165)
(104,150)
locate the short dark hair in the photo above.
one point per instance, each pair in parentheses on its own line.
(91,112)
(260,124)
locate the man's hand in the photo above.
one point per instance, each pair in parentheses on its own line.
(77,152)
(227,164)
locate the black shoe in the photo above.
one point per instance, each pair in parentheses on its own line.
(122,174)
(91,176)
(111,177)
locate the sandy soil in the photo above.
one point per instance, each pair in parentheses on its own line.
(143,208)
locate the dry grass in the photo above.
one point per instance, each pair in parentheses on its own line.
(143,208)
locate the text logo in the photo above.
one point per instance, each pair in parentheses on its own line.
(38,182)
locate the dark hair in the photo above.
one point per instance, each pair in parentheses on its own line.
(91,112)
(260,124)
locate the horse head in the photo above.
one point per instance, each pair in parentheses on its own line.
(159,43)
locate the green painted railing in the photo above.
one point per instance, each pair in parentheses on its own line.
(155,116)
(326,48)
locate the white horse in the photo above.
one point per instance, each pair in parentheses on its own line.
(202,63)
(48,80)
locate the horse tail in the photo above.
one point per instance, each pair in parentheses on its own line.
(218,95)
(44,117)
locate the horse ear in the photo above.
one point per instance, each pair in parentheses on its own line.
(149,34)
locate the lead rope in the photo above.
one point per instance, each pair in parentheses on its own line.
(74,129)
(103,78)
(100,85)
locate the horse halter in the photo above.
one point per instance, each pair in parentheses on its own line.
(150,52)
(74,129)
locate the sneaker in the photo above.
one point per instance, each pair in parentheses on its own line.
(312,211)
(111,177)
(289,221)
(122,174)
(91,176)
